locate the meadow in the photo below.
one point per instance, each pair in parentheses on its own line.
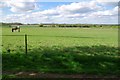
(61,36)
(61,50)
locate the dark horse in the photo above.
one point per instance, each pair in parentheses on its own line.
(16,28)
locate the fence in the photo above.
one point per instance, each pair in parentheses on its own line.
(28,42)
(25,41)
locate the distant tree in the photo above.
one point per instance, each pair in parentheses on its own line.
(41,25)
(100,25)
(9,25)
(94,25)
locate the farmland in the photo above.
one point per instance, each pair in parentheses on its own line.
(63,36)
(62,50)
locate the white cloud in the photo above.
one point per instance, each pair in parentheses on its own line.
(72,10)
(106,16)
(19,0)
(21,5)
(2,5)
(107,0)
(80,7)
(49,12)
(4,0)
(77,12)
(113,12)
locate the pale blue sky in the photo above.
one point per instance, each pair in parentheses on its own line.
(89,11)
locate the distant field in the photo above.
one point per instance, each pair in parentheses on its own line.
(62,50)
(61,36)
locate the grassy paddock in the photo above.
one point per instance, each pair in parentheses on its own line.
(62,50)
(69,60)
(62,36)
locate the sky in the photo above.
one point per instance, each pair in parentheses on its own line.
(59,11)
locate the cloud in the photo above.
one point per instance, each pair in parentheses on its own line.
(49,12)
(80,7)
(107,0)
(21,5)
(2,5)
(76,12)
(18,0)
(112,3)
(76,9)
(103,17)
(113,12)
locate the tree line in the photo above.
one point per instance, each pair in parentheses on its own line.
(63,25)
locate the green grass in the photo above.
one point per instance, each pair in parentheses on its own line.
(62,36)
(62,50)
(98,60)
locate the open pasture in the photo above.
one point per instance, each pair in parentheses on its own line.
(62,50)
(61,36)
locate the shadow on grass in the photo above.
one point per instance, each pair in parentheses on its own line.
(99,60)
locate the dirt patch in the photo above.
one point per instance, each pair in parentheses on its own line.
(23,74)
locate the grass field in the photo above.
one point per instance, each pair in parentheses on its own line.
(62,50)
(63,36)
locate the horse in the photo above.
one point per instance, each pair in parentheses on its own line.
(16,28)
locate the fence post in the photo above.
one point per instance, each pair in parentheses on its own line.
(25,43)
